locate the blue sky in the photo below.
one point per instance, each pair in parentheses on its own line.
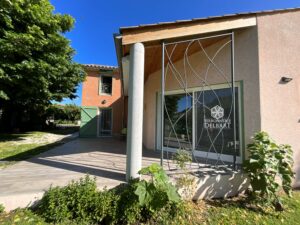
(97,20)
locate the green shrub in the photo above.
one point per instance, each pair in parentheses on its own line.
(22,217)
(267,161)
(170,214)
(53,206)
(2,208)
(68,112)
(140,200)
(128,208)
(105,206)
(80,196)
(78,201)
(130,203)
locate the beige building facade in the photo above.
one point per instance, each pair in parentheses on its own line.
(279,45)
(261,49)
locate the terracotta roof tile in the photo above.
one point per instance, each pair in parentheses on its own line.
(97,66)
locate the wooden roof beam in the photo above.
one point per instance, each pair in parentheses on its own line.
(148,34)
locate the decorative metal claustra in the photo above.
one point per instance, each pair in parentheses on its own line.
(200,100)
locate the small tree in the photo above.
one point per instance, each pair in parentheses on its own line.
(268,162)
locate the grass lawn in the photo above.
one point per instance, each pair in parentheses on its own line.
(16,147)
(232,212)
(238,212)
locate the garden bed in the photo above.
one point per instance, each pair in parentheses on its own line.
(230,211)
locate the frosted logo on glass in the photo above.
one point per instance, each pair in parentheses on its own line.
(217,113)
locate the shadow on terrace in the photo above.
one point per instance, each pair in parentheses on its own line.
(104,158)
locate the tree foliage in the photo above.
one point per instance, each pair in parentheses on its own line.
(36,60)
(68,112)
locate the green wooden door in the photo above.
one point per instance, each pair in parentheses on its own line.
(88,126)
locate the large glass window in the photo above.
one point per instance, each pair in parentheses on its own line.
(214,120)
(203,120)
(178,121)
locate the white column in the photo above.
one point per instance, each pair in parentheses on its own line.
(135,111)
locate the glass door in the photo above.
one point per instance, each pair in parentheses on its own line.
(178,119)
(105,122)
(202,120)
(214,126)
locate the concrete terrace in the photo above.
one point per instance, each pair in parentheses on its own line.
(24,182)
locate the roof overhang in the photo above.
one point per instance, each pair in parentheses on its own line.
(152,36)
(184,29)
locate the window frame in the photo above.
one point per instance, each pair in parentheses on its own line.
(227,158)
(101,82)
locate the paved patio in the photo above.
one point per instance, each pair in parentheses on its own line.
(26,181)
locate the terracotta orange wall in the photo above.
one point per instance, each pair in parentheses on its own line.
(91,97)
(279,55)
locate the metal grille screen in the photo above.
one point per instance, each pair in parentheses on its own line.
(200,99)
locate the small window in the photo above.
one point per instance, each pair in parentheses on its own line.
(106,85)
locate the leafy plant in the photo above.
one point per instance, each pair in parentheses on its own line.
(171,214)
(267,162)
(185,181)
(129,210)
(22,217)
(53,206)
(182,157)
(156,193)
(80,201)
(2,208)
(140,200)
